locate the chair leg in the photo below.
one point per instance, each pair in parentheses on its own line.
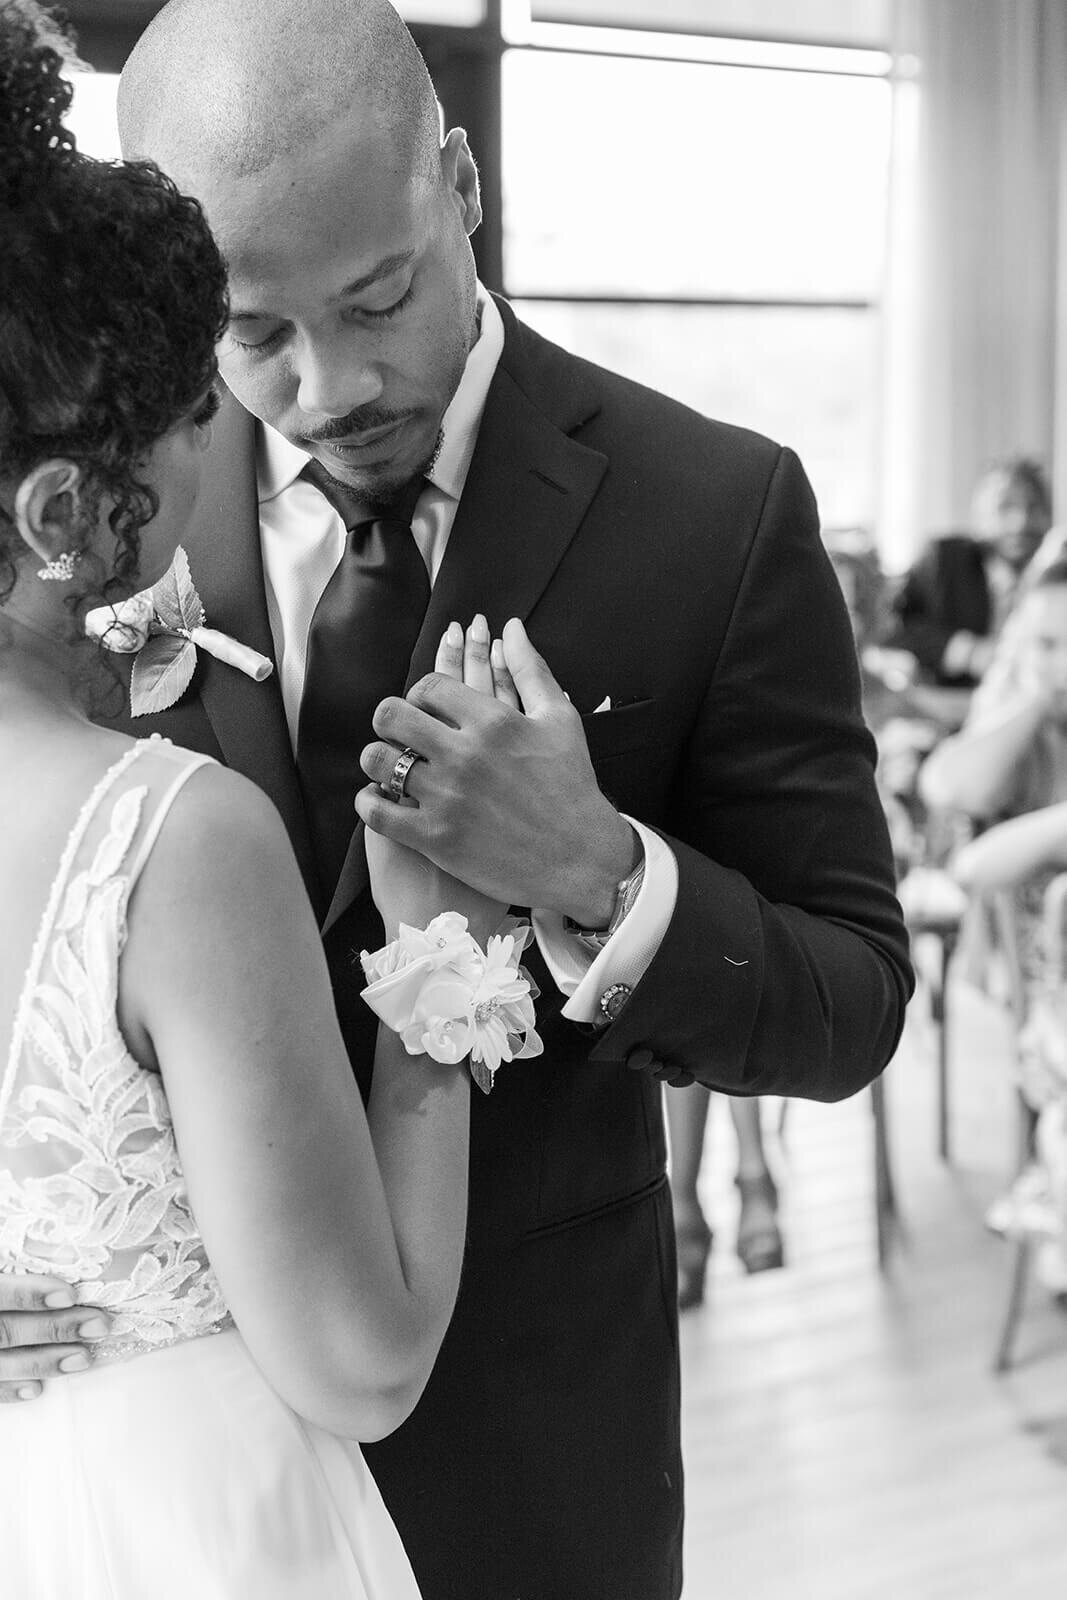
(1020,1271)
(885,1203)
(1022,1251)
(939,1013)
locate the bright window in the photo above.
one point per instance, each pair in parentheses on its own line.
(862,22)
(666,178)
(457,13)
(714,231)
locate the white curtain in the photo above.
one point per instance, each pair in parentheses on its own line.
(976,362)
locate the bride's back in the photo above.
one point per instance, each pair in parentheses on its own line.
(182,1472)
(46,774)
(92,1188)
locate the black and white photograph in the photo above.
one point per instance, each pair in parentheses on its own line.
(533,799)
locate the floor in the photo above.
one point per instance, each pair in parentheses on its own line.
(845,1437)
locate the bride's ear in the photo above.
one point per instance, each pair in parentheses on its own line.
(46,508)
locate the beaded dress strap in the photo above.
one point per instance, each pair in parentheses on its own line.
(74,840)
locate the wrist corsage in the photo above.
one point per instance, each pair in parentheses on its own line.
(447,998)
(163,627)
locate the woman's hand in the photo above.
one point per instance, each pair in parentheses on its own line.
(471,659)
(406,886)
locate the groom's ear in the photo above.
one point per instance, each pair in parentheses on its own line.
(47,508)
(460,176)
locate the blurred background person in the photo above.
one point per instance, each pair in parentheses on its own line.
(759,1241)
(906,718)
(1010,756)
(955,598)
(1006,770)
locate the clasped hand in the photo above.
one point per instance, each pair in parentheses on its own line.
(506,799)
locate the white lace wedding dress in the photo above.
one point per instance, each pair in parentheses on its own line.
(169,1469)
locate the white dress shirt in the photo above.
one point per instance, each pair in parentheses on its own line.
(303,539)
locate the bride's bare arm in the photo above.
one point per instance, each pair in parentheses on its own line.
(338,1256)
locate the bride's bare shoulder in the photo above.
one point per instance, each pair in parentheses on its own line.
(220,801)
(221,851)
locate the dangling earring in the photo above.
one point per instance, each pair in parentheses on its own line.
(61,569)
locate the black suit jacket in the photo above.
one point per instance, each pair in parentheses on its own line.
(945,592)
(674,564)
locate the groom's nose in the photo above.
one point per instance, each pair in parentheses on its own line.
(336,376)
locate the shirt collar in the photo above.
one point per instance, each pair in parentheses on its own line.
(279,463)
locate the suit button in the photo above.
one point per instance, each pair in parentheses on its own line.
(676,1076)
(642,1060)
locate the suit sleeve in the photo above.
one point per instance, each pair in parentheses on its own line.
(784,969)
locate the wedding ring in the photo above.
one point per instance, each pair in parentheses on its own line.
(399,775)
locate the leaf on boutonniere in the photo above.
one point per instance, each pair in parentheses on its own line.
(162,671)
(175,599)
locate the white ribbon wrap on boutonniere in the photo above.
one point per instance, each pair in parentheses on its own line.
(163,627)
(448,998)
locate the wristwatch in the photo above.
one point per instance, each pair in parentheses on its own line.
(626,893)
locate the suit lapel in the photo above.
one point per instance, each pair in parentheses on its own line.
(248,719)
(528,488)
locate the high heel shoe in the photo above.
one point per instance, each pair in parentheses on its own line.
(692,1244)
(759,1241)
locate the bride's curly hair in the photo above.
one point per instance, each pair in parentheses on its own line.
(112,298)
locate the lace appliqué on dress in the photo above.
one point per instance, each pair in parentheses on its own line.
(91,1187)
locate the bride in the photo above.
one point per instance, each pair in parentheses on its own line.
(181,1139)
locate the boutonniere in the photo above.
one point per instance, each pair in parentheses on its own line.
(163,627)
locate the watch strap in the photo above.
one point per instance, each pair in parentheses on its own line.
(626,893)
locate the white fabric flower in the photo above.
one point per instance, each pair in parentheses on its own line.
(447,998)
(125,626)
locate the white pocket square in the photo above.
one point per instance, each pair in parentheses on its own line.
(605,705)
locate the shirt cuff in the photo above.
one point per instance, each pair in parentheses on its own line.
(628,954)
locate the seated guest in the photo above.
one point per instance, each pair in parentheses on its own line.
(897,711)
(956,597)
(1010,756)
(885,674)
(1008,767)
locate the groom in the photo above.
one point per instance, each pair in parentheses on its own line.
(742,931)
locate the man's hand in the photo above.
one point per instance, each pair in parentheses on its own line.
(507,800)
(42,1334)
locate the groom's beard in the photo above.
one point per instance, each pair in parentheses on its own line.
(389,499)
(385,497)
(393,499)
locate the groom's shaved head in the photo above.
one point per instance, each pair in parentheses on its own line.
(309,131)
(226,87)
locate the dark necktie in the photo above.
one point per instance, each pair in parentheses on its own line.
(359,649)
